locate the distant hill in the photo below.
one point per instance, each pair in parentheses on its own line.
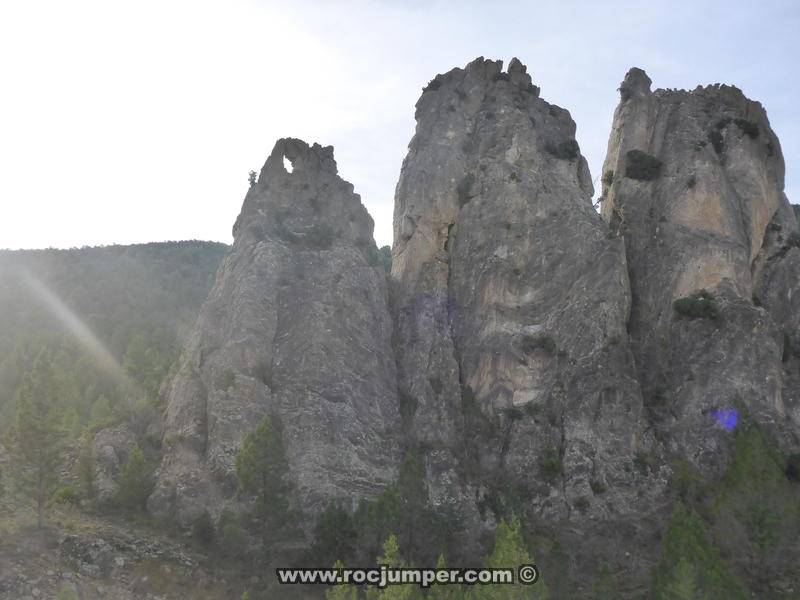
(137,300)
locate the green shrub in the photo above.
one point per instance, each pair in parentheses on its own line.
(231,537)
(715,137)
(66,495)
(608,177)
(532,343)
(551,467)
(282,232)
(749,128)
(203,528)
(641,166)
(582,504)
(598,487)
(566,150)
(700,305)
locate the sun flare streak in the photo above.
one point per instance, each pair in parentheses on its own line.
(72,323)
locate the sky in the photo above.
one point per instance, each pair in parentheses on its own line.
(138,121)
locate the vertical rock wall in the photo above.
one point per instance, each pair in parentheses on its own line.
(511,302)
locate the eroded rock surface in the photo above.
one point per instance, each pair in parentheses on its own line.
(693,183)
(296,326)
(511,302)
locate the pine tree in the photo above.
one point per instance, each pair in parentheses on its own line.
(686,540)
(684,583)
(135,482)
(510,552)
(449,591)
(413,501)
(86,467)
(263,472)
(36,449)
(342,591)
(391,558)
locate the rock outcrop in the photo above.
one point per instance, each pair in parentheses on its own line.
(693,183)
(296,326)
(511,302)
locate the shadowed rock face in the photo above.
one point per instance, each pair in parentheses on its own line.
(693,182)
(511,303)
(296,326)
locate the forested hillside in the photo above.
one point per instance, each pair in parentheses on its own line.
(77,306)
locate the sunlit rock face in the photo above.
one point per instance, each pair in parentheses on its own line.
(693,183)
(297,326)
(510,303)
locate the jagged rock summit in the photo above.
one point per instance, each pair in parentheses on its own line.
(296,326)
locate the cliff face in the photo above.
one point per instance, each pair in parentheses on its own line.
(511,303)
(296,326)
(693,183)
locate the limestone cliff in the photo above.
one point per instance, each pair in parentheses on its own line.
(511,302)
(296,326)
(693,183)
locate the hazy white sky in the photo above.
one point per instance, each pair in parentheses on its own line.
(138,121)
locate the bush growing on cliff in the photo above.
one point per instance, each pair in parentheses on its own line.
(700,305)
(641,166)
(550,465)
(749,128)
(566,150)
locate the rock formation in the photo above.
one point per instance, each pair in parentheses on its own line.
(693,182)
(511,302)
(541,358)
(296,326)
